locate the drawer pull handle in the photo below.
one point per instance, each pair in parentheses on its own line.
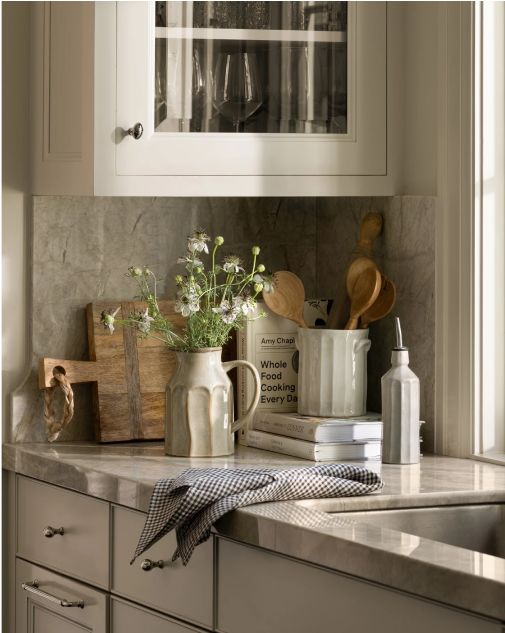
(33,587)
(147,564)
(49,531)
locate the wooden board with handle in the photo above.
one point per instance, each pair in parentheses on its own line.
(129,375)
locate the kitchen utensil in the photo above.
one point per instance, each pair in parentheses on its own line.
(355,270)
(288,297)
(370,228)
(129,375)
(382,306)
(363,294)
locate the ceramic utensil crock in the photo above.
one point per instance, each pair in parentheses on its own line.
(332,378)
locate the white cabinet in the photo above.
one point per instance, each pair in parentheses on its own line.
(259,99)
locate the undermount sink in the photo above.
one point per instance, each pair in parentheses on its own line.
(480,528)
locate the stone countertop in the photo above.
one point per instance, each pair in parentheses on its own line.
(126,473)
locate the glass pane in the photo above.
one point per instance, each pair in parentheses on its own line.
(264,67)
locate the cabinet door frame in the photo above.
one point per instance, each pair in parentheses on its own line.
(359,166)
(93,617)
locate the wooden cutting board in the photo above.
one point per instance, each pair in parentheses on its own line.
(129,375)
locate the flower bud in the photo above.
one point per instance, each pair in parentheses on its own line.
(219,240)
(198,270)
(135,271)
(260,268)
(178,279)
(255,250)
(258,287)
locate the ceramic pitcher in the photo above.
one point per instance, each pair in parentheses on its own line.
(199,413)
(332,376)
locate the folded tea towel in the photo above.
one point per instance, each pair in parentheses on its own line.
(198,497)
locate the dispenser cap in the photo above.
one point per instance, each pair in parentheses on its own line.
(399,339)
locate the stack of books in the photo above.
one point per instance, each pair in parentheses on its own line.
(317,439)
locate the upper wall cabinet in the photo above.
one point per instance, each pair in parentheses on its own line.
(230,98)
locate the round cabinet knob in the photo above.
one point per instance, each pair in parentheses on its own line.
(136,131)
(147,564)
(49,531)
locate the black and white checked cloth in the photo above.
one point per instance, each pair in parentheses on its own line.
(198,497)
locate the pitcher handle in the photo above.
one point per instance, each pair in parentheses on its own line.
(238,424)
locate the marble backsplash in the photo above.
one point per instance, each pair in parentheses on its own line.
(81,248)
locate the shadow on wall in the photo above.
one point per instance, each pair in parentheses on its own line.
(406,254)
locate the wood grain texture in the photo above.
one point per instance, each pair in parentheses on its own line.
(130,375)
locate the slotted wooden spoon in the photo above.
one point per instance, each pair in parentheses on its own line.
(288,297)
(364,293)
(382,306)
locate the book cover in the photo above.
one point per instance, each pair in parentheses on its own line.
(314,451)
(312,429)
(269,344)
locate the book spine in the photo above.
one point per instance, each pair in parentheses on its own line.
(289,427)
(286,446)
(242,379)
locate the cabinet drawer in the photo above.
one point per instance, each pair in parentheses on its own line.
(184,591)
(82,551)
(260,592)
(41,612)
(130,618)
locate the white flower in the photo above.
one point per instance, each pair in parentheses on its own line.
(228,312)
(186,304)
(144,321)
(190,260)
(232,264)
(197,242)
(266,281)
(245,305)
(107,318)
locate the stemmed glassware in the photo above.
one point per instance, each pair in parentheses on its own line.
(237,93)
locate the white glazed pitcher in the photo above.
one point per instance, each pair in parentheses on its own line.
(199,412)
(332,376)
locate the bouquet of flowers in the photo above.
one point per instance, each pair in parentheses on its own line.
(214,301)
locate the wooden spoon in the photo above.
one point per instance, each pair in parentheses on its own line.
(382,306)
(371,227)
(288,297)
(355,270)
(364,293)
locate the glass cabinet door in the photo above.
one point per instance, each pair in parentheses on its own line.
(251,67)
(252,88)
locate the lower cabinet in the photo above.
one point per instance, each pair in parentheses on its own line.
(130,618)
(260,592)
(49,603)
(154,580)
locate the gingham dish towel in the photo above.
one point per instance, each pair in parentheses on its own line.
(198,497)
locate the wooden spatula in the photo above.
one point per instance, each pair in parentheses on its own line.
(364,293)
(287,299)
